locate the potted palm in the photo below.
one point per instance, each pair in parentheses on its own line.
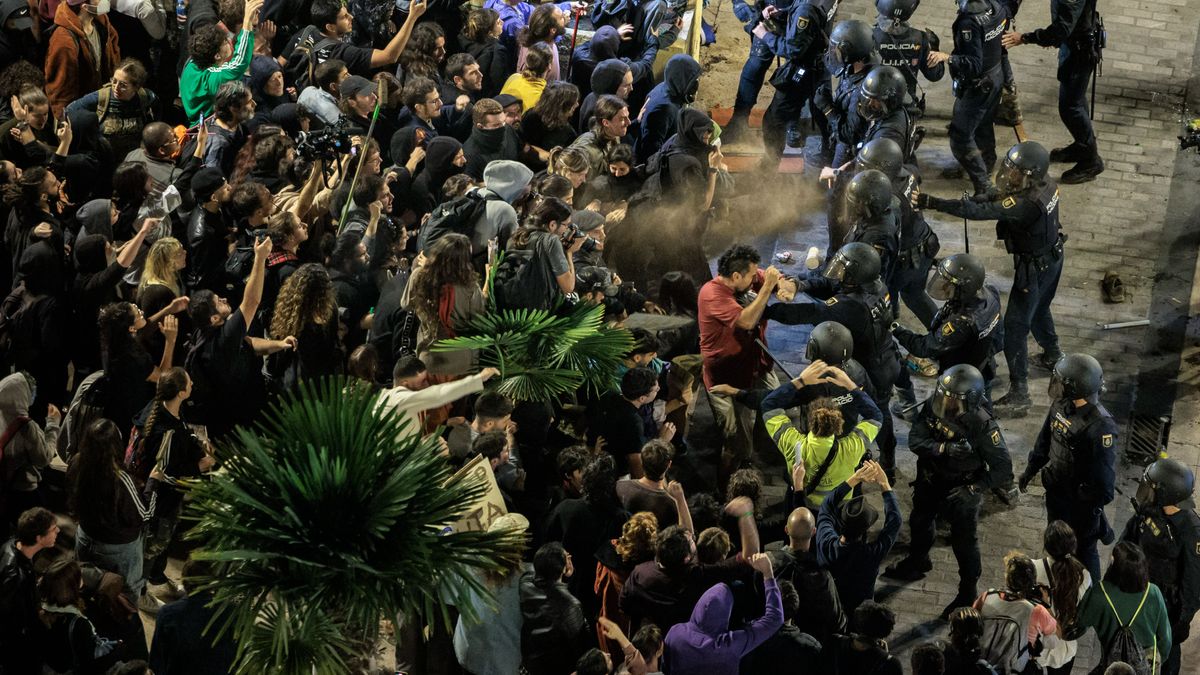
(326,518)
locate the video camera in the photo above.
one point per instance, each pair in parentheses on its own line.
(328,143)
(572,233)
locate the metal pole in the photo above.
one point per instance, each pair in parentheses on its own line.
(571,56)
(966,231)
(762,345)
(362,158)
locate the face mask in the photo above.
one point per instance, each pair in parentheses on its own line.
(101,8)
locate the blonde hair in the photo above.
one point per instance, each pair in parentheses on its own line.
(636,544)
(160,265)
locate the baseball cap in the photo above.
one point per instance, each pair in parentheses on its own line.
(18,11)
(205,183)
(356,85)
(506,100)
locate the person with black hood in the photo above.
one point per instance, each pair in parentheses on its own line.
(40,327)
(16,32)
(610,77)
(356,293)
(444,157)
(660,115)
(491,139)
(95,285)
(604,46)
(267,88)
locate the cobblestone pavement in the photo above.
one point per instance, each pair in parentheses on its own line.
(1120,222)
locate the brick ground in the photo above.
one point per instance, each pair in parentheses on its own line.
(1114,223)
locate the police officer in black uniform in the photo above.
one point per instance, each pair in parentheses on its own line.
(961,454)
(906,48)
(918,242)
(1074,29)
(801,70)
(961,332)
(875,216)
(1026,215)
(857,298)
(1076,455)
(976,69)
(881,106)
(1168,530)
(851,56)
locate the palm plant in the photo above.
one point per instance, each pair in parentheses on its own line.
(328,517)
(542,354)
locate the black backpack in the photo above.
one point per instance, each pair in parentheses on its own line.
(239,264)
(459,215)
(305,57)
(1123,645)
(523,281)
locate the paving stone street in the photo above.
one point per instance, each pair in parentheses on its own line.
(1138,219)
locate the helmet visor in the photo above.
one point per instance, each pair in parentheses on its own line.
(1056,389)
(836,270)
(946,406)
(939,287)
(870,108)
(1009,178)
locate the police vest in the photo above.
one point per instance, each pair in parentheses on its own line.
(1166,541)
(980,317)
(903,50)
(878,347)
(1038,237)
(815,15)
(987,25)
(1071,447)
(957,469)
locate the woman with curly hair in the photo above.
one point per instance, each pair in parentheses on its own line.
(444,293)
(615,560)
(307,309)
(548,124)
(424,54)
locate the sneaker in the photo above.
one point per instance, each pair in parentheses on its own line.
(908,569)
(150,604)
(1046,360)
(1014,404)
(1084,171)
(1069,154)
(168,590)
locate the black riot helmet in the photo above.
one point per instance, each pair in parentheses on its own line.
(1076,376)
(851,40)
(1166,482)
(830,342)
(956,278)
(869,194)
(1024,166)
(881,154)
(855,264)
(959,390)
(881,92)
(896,10)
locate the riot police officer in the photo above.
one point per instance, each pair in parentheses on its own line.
(754,70)
(918,242)
(1076,455)
(961,332)
(906,48)
(801,71)
(961,454)
(1075,30)
(874,212)
(1026,214)
(881,106)
(1168,530)
(857,298)
(851,56)
(976,69)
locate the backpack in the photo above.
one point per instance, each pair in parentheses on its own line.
(1123,646)
(523,282)
(397,338)
(104,100)
(11,309)
(86,407)
(1005,641)
(239,263)
(140,458)
(303,60)
(459,215)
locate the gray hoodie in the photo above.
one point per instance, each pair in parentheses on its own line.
(30,449)
(508,180)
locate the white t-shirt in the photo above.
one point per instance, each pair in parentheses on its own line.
(1056,652)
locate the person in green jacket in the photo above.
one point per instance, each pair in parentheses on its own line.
(213,63)
(825,436)
(1125,597)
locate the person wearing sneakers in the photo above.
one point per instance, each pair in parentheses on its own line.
(1027,219)
(961,453)
(1076,454)
(1074,30)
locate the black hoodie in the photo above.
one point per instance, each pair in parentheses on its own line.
(678,89)
(95,286)
(439,165)
(486,145)
(494,61)
(606,79)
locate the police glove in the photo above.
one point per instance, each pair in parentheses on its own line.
(957,449)
(962,492)
(921,200)
(1023,482)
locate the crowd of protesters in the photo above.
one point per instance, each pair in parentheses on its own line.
(205,205)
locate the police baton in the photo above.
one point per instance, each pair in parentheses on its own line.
(966,230)
(762,345)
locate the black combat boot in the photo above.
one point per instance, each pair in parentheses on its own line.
(1047,359)
(905,406)
(967,593)
(1086,170)
(1070,154)
(1015,403)
(909,569)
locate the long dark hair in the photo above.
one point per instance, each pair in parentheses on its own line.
(448,264)
(547,210)
(419,56)
(171,383)
(1066,572)
(26,192)
(1129,571)
(115,339)
(97,469)
(540,27)
(556,104)
(677,293)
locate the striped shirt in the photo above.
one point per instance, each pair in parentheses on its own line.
(198,86)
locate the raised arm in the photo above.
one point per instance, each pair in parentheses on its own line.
(391,53)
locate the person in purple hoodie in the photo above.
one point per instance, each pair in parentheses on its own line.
(706,645)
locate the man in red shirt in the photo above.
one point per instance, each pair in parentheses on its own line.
(727,333)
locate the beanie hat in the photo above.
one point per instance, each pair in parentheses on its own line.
(205,184)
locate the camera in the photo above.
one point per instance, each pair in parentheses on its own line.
(325,144)
(569,235)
